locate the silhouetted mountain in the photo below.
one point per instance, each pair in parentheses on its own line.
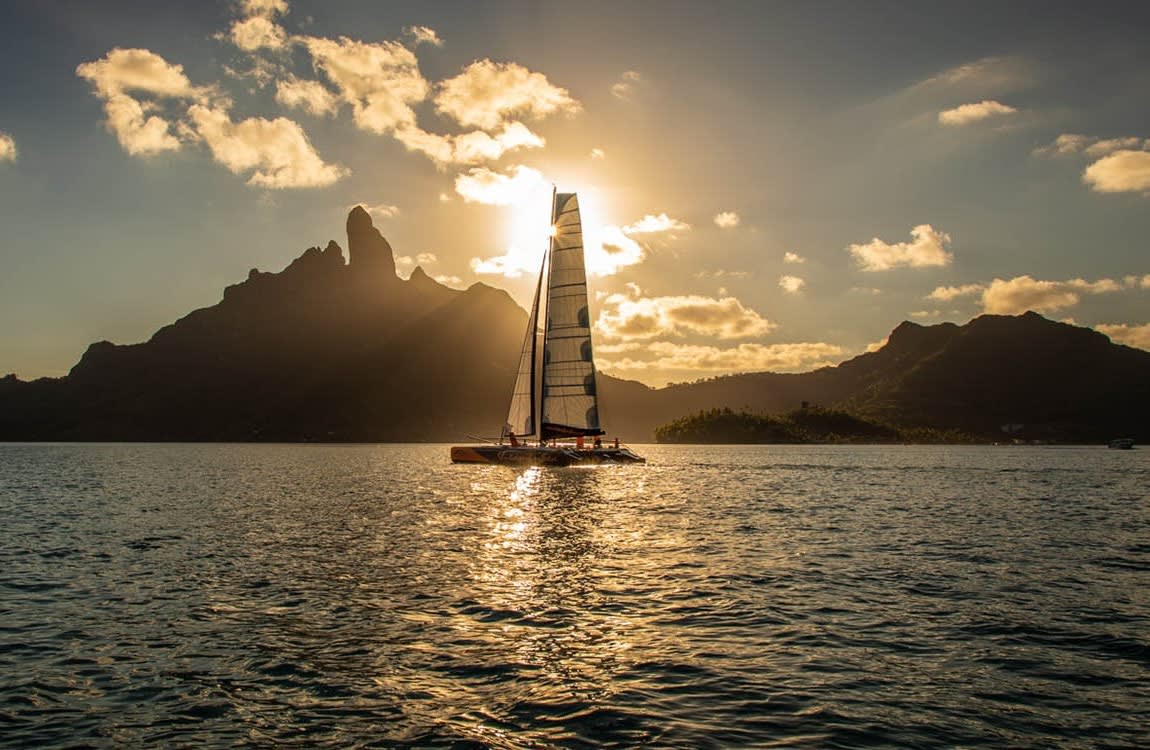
(335,351)
(1036,378)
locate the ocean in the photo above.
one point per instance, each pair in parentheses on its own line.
(719,596)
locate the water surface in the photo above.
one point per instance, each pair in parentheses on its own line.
(795,596)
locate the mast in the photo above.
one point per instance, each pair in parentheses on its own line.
(522,414)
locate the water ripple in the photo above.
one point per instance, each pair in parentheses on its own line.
(377,596)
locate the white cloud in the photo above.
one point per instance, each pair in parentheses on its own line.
(720,273)
(310,96)
(947,293)
(748,357)
(1069,144)
(1022,293)
(926,248)
(629,316)
(7,147)
(516,262)
(651,224)
(790,257)
(426,258)
(609,249)
(1134,281)
(277,150)
(123,70)
(381,80)
(791,284)
(1121,171)
(727,220)
(625,86)
(968,113)
(140,131)
(139,134)
(487,92)
(1109,145)
(1136,336)
(382,210)
(468,148)
(925,314)
(453,281)
(424,35)
(257,32)
(483,185)
(598,153)
(265,8)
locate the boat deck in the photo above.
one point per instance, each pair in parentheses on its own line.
(533,455)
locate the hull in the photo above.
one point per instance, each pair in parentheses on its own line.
(526,455)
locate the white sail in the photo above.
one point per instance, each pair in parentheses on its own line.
(569,403)
(521,414)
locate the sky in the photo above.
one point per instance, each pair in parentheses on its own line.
(765,185)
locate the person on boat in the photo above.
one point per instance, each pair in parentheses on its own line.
(579,443)
(598,443)
(616,443)
(513,439)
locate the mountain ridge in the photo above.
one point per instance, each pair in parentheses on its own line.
(335,349)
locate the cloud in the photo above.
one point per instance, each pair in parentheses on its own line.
(968,113)
(266,8)
(790,257)
(1121,171)
(483,185)
(382,210)
(423,35)
(257,32)
(277,150)
(468,148)
(625,86)
(1134,281)
(1136,336)
(7,147)
(727,220)
(257,29)
(926,248)
(310,96)
(720,273)
(139,130)
(1069,144)
(598,153)
(1022,293)
(629,316)
(748,357)
(381,81)
(487,92)
(651,224)
(139,134)
(925,314)
(609,249)
(947,293)
(791,284)
(987,74)
(123,70)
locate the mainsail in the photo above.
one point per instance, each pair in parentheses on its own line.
(570,406)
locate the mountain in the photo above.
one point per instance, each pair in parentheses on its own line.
(335,349)
(323,350)
(1015,376)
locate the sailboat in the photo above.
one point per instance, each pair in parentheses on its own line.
(554,408)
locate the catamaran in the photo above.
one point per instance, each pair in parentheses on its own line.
(554,404)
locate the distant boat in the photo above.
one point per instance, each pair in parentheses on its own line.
(554,415)
(1123,444)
